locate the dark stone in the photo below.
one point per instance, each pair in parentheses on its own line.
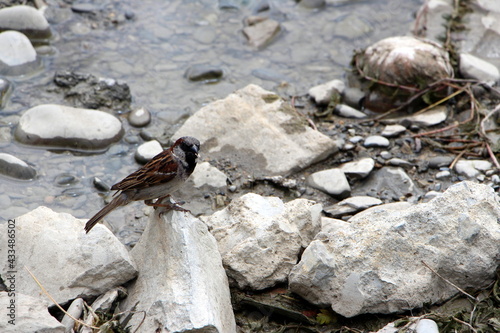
(204,73)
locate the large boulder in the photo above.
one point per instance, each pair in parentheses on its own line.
(259,131)
(383,261)
(182,286)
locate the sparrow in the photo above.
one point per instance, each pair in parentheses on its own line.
(162,175)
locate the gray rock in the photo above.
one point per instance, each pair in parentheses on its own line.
(147,151)
(75,310)
(400,162)
(203,72)
(312,3)
(182,284)
(262,33)
(17,55)
(260,238)
(331,181)
(389,184)
(347,111)
(443,174)
(376,141)
(14,167)
(68,128)
(206,174)
(322,94)
(68,262)
(26,20)
(440,161)
(472,67)
(385,155)
(358,169)
(31,314)
(139,118)
(434,116)
(374,264)
(393,130)
(472,168)
(260,133)
(105,302)
(353,96)
(352,205)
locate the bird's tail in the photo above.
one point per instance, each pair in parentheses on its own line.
(118,201)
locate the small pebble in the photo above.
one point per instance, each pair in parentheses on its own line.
(147,151)
(356,139)
(65,179)
(393,130)
(376,141)
(139,118)
(100,185)
(443,174)
(385,155)
(495,179)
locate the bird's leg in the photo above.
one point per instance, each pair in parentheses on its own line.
(170,206)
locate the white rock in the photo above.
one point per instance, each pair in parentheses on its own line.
(358,169)
(472,67)
(331,181)
(206,174)
(75,310)
(17,55)
(352,205)
(472,168)
(181,285)
(15,167)
(432,117)
(375,264)
(147,151)
(139,117)
(68,262)
(443,174)
(31,314)
(26,20)
(347,111)
(260,133)
(376,141)
(67,127)
(262,33)
(393,130)
(260,238)
(426,326)
(322,94)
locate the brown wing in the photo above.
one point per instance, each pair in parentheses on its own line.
(161,169)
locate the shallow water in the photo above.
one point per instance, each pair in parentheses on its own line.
(152,51)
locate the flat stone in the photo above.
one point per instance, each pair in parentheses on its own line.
(182,285)
(263,136)
(67,261)
(472,168)
(14,167)
(376,141)
(393,130)
(399,162)
(262,33)
(59,126)
(389,184)
(203,72)
(380,269)
(332,181)
(347,111)
(352,205)
(358,169)
(25,19)
(146,151)
(17,55)
(472,67)
(139,117)
(437,162)
(206,174)
(322,94)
